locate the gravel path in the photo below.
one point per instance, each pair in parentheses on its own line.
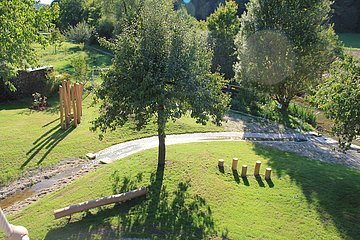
(31,187)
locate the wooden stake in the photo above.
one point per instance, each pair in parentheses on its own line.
(62,124)
(243,171)
(235,163)
(81,101)
(257,168)
(73,93)
(66,104)
(68,86)
(268,173)
(78,102)
(221,163)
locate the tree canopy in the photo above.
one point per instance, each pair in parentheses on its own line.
(284,46)
(339,97)
(161,71)
(223,25)
(20,24)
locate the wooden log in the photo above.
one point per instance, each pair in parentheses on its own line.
(268,173)
(68,90)
(243,170)
(99,202)
(235,163)
(81,101)
(257,168)
(221,163)
(66,104)
(78,102)
(73,93)
(62,123)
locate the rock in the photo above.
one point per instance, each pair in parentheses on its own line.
(105,161)
(91,156)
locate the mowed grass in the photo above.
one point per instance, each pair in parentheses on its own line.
(30,139)
(350,40)
(193,199)
(61,60)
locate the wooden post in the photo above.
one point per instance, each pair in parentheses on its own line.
(235,163)
(78,102)
(73,93)
(66,104)
(62,124)
(81,102)
(257,168)
(268,173)
(68,86)
(99,202)
(243,171)
(221,163)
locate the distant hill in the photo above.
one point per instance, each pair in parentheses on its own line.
(346,16)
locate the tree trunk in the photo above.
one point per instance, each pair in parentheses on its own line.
(161,135)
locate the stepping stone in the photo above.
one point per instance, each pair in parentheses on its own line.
(91,156)
(106,160)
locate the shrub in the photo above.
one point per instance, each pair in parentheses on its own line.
(81,33)
(39,102)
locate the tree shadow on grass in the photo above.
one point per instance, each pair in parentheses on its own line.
(333,189)
(161,214)
(48,140)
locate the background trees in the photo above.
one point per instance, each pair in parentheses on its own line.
(162,70)
(284,46)
(339,97)
(223,25)
(20,24)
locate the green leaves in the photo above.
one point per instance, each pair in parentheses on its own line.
(20,24)
(161,62)
(292,63)
(339,97)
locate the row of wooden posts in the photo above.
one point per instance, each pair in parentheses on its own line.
(70,103)
(245,167)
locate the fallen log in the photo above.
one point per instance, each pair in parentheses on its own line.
(80,207)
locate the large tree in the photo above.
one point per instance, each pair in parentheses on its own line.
(71,13)
(161,71)
(284,46)
(20,25)
(339,97)
(224,24)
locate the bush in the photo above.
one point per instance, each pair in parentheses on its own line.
(81,33)
(105,28)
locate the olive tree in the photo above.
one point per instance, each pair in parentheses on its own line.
(161,71)
(284,46)
(339,97)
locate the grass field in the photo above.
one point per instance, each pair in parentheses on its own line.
(350,40)
(192,199)
(61,60)
(30,139)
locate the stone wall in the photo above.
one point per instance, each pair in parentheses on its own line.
(27,82)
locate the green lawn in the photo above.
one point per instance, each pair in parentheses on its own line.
(350,40)
(193,199)
(30,139)
(61,60)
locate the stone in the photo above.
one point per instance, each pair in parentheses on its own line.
(106,161)
(91,156)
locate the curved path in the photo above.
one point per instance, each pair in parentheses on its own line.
(310,145)
(125,149)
